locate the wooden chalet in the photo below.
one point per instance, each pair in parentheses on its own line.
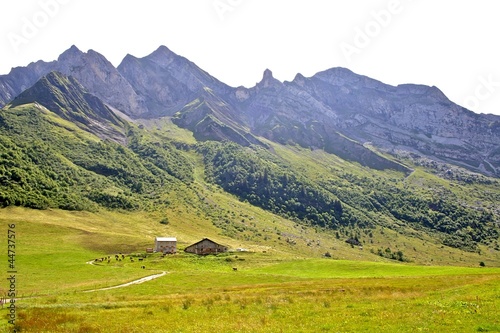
(166,245)
(206,246)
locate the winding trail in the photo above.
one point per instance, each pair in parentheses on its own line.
(139,281)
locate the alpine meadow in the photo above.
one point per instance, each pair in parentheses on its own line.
(337,203)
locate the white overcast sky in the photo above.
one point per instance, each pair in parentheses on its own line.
(453,45)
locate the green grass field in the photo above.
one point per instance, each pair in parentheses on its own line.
(276,288)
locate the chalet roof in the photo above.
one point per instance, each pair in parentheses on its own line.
(166,239)
(204,239)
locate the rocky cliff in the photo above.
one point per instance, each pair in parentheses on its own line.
(66,97)
(335,110)
(166,81)
(91,69)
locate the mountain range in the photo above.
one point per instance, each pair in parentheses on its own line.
(335,110)
(337,150)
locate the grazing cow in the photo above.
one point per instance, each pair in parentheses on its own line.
(235,269)
(143,267)
(141,259)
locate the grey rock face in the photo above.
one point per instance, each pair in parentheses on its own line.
(409,117)
(68,98)
(91,69)
(101,78)
(166,81)
(20,79)
(335,110)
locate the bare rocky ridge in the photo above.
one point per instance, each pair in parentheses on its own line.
(91,69)
(66,97)
(166,81)
(335,110)
(415,118)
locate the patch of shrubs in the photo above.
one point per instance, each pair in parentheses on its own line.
(389,254)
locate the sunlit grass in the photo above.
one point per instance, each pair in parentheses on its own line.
(461,304)
(278,290)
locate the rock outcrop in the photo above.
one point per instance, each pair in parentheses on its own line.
(335,110)
(166,81)
(66,97)
(91,69)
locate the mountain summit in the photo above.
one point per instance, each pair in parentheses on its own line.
(336,151)
(336,110)
(91,69)
(66,97)
(166,81)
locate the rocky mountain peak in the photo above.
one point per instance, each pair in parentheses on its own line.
(338,76)
(418,89)
(167,81)
(66,97)
(268,75)
(347,79)
(129,58)
(162,56)
(299,79)
(242,94)
(90,68)
(309,111)
(101,78)
(163,50)
(268,80)
(71,53)
(73,60)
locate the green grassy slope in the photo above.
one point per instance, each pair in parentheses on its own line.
(332,245)
(279,287)
(300,200)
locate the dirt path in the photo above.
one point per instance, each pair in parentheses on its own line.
(139,281)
